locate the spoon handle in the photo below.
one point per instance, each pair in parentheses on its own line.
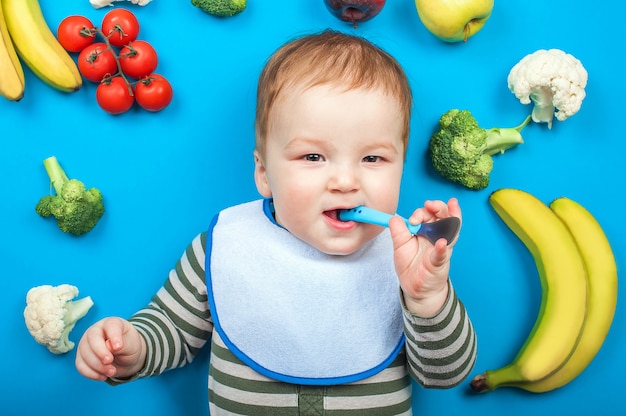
(372,216)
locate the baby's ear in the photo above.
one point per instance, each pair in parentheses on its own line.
(260,176)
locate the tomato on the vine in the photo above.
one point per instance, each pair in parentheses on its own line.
(120,26)
(114,95)
(96,61)
(153,93)
(76,33)
(138,59)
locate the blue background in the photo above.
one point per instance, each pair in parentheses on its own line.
(165,174)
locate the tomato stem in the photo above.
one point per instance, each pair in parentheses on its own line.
(87,32)
(119,73)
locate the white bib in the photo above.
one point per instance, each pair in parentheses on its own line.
(295,314)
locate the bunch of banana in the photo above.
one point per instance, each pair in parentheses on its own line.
(579,291)
(37,46)
(11,71)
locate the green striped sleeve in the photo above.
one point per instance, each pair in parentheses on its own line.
(177,323)
(441,351)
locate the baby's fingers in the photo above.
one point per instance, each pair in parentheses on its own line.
(454,209)
(440,254)
(400,233)
(114,331)
(91,367)
(96,350)
(440,209)
(93,359)
(431,211)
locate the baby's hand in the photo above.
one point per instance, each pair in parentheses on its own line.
(421,266)
(111,347)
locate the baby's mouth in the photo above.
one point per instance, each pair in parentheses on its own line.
(335,214)
(332,214)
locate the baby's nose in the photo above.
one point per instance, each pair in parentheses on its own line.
(344,179)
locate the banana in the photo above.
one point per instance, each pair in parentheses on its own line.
(11,71)
(38,47)
(598,257)
(564,291)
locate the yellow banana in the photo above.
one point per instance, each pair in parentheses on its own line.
(11,71)
(564,291)
(38,47)
(598,257)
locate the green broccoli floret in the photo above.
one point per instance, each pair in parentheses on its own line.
(222,8)
(461,151)
(76,208)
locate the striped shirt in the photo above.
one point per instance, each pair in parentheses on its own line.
(439,353)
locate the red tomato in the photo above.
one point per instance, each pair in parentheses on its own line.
(114,95)
(120,26)
(138,59)
(153,93)
(96,61)
(76,33)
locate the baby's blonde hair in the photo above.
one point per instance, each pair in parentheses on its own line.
(329,58)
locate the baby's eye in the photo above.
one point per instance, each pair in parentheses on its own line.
(372,159)
(313,157)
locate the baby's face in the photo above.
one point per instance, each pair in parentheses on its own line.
(326,150)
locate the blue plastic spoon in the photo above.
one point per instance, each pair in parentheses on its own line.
(446,228)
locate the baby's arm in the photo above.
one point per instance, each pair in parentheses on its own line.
(441,350)
(421,266)
(124,352)
(111,347)
(441,341)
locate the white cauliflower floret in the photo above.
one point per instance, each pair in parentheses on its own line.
(50,315)
(102,3)
(555,81)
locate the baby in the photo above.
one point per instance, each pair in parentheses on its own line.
(303,311)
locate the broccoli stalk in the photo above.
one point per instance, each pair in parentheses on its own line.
(76,208)
(55,172)
(500,139)
(461,151)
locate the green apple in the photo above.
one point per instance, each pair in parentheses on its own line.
(454,20)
